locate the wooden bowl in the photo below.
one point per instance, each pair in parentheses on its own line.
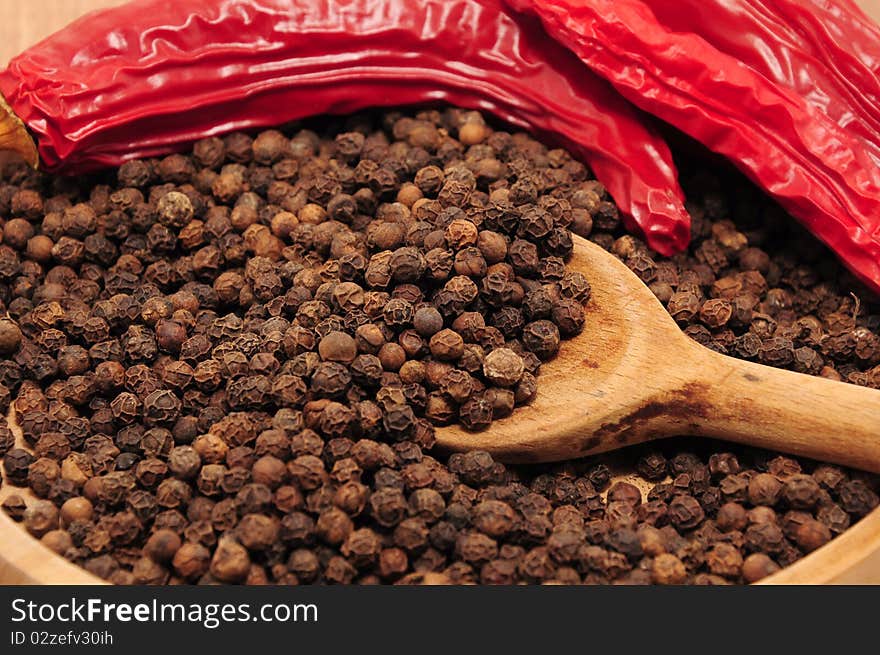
(851,558)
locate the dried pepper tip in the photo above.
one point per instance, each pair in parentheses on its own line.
(14,136)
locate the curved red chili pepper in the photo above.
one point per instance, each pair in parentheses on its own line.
(829,56)
(144,78)
(820,172)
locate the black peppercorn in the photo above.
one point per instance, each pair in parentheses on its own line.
(254,322)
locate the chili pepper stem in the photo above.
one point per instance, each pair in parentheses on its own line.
(14,136)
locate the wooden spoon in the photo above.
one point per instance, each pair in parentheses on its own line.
(632,376)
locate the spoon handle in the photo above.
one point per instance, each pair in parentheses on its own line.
(781,410)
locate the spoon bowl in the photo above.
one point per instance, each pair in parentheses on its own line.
(632,376)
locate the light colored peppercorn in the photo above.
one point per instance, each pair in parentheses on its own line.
(337,347)
(503,367)
(668,569)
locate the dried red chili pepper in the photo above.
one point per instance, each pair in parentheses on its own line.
(829,56)
(822,173)
(144,78)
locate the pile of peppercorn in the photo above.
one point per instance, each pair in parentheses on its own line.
(226,367)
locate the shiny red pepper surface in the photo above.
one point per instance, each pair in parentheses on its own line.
(826,54)
(149,76)
(817,167)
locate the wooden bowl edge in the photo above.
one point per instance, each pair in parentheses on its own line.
(851,558)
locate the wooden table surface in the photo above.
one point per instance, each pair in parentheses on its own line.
(24,22)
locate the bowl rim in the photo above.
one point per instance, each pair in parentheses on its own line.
(851,558)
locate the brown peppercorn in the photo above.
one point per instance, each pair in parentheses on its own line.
(685,512)
(683,306)
(651,540)
(476,414)
(569,316)
(472,133)
(812,534)
(270,471)
(724,560)
(211,448)
(503,367)
(501,400)
(191,561)
(362,547)
(16,464)
(834,517)
(801,492)
(829,477)
(408,194)
(667,569)
(392,356)
(230,562)
(764,489)
(76,509)
(412,372)
(446,345)
(758,566)
(762,514)
(257,532)
(10,336)
(722,464)
(14,506)
(427,321)
(856,497)
(17,232)
(393,563)
(731,516)
(337,347)
(42,474)
(58,541)
(146,571)
(162,545)
(626,493)
(334,526)
(765,537)
(542,338)
(41,517)
(174,340)
(476,548)
(304,564)
(170,335)
(715,313)
(526,390)
(339,571)
(174,209)
(652,466)
(39,248)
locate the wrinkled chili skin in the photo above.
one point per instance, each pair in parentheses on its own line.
(830,58)
(819,171)
(147,77)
